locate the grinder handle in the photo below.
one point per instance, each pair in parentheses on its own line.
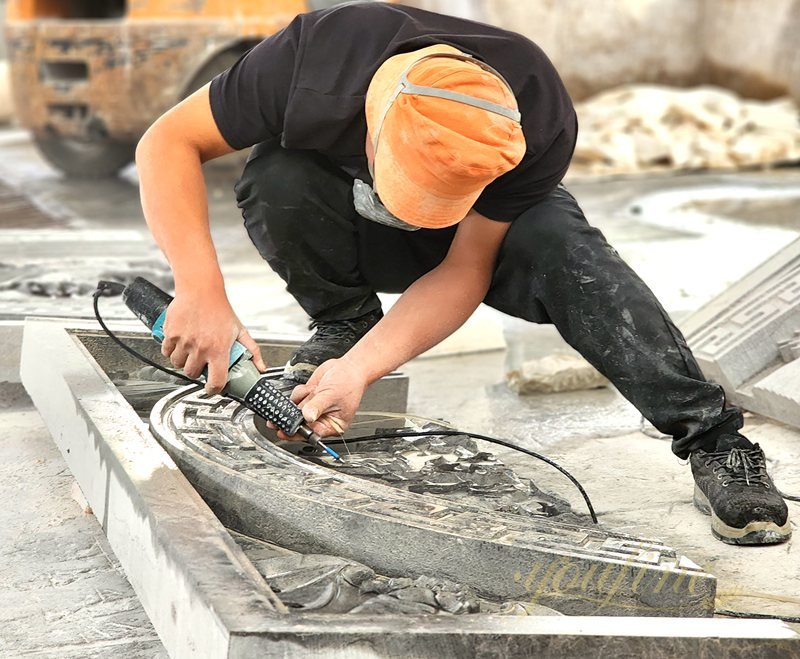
(268,402)
(150,303)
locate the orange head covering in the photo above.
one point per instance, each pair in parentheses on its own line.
(443,127)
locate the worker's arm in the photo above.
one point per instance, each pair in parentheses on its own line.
(430,310)
(200,326)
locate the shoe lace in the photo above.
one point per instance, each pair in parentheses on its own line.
(340,329)
(742,466)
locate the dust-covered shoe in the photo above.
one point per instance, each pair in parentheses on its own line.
(331,341)
(733,486)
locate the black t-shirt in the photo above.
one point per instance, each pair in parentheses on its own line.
(307,84)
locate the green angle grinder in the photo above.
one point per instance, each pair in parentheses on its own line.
(245,384)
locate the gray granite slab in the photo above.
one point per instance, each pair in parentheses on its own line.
(262,490)
(745,339)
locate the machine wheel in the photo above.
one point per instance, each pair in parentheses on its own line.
(85,159)
(222,62)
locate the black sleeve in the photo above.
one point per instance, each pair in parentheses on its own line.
(507,197)
(248,101)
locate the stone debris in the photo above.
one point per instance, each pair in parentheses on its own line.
(554,374)
(645,128)
(144,387)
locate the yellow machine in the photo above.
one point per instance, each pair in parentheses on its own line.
(90,76)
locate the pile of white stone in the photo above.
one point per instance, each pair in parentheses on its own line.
(641,128)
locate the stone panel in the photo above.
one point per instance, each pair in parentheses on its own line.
(266,492)
(778,394)
(744,337)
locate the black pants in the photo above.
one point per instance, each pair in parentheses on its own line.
(552,268)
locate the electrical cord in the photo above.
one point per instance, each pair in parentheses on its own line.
(486,438)
(109,288)
(762,616)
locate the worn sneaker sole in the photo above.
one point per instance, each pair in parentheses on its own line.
(755,533)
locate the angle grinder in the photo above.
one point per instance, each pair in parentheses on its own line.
(245,383)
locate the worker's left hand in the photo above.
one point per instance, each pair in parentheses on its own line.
(331,396)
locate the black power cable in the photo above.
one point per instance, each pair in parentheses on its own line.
(113,288)
(761,616)
(486,438)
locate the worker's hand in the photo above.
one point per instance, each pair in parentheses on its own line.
(331,396)
(199,330)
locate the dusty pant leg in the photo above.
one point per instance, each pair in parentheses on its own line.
(554,267)
(298,210)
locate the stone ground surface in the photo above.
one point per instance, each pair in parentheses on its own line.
(61,591)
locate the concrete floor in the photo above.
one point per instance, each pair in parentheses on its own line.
(63,593)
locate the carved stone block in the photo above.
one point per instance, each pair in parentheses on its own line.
(744,338)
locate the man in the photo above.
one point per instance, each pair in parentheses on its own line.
(398,150)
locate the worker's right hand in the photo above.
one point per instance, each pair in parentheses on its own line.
(331,396)
(199,330)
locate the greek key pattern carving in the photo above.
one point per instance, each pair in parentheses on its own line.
(760,307)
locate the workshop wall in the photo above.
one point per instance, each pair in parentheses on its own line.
(747,46)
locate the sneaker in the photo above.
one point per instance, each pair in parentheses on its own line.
(331,341)
(734,488)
